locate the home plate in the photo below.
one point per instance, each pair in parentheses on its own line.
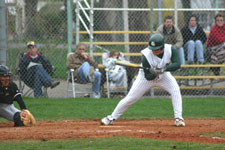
(114,131)
(112,126)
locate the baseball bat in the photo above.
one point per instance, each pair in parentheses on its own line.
(126,64)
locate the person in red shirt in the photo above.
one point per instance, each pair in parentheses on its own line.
(216,42)
(217,32)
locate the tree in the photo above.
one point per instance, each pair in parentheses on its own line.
(138,21)
(30,13)
(20,19)
(110,20)
(65,21)
(187,14)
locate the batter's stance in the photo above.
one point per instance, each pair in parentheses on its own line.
(9,92)
(160,58)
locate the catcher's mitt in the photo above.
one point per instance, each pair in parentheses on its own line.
(27,117)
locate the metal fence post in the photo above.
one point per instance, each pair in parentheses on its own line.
(69,26)
(151,18)
(77,24)
(3,47)
(175,13)
(91,27)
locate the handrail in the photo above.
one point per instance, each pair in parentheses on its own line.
(122,32)
(199,77)
(116,32)
(197,88)
(117,43)
(183,66)
(202,65)
(125,54)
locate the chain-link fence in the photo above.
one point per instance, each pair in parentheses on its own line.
(117,25)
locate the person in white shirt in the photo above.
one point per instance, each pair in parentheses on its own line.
(116,73)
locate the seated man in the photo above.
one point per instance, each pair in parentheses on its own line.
(85,69)
(173,36)
(36,70)
(116,73)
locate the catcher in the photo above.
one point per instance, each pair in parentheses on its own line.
(9,93)
(161,59)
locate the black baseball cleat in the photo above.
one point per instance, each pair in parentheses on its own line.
(54,84)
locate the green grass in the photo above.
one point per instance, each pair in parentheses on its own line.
(88,108)
(215,134)
(146,108)
(109,143)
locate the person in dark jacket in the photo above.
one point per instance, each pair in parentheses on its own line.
(36,70)
(194,38)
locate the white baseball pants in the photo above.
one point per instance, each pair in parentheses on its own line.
(141,86)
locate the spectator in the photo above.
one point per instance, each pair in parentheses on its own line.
(36,70)
(194,38)
(172,35)
(216,43)
(85,69)
(116,73)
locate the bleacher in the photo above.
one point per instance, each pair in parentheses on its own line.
(197,77)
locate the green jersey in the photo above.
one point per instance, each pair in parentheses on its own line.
(173,66)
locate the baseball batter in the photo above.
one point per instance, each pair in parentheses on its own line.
(161,59)
(9,92)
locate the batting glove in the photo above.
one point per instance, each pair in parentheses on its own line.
(159,70)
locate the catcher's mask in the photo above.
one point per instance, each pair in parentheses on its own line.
(156,42)
(5,75)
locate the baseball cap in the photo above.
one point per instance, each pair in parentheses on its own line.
(31,43)
(156,42)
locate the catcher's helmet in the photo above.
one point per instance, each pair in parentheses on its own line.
(4,72)
(156,42)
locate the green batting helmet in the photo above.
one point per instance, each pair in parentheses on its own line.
(156,42)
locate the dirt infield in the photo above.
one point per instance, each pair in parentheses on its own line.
(156,129)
